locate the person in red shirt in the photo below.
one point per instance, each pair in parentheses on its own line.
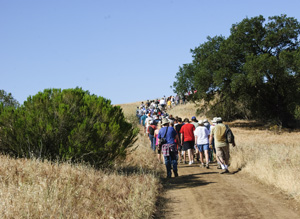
(188,139)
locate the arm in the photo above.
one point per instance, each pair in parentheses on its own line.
(181,138)
(177,139)
(211,139)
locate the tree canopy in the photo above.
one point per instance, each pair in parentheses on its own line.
(6,99)
(253,73)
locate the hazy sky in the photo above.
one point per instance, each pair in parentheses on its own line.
(123,50)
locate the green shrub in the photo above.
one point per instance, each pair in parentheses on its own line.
(66,124)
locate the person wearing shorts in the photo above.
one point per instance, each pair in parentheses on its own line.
(221,145)
(188,139)
(202,142)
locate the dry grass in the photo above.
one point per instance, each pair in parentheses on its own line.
(184,111)
(36,189)
(271,158)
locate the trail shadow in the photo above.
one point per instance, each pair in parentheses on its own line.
(236,171)
(133,170)
(193,180)
(186,181)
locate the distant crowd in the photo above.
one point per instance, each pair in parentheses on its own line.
(174,138)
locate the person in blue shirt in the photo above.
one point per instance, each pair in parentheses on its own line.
(169,148)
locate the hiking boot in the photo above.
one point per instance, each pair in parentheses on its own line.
(185,162)
(207,166)
(225,171)
(176,174)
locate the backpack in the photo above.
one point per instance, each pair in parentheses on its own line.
(229,135)
(151,130)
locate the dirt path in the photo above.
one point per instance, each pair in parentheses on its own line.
(204,193)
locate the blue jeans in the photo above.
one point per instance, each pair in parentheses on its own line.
(171,160)
(152,139)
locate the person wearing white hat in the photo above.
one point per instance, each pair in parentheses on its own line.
(221,144)
(202,142)
(166,136)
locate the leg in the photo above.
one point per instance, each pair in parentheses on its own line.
(168,165)
(174,164)
(206,156)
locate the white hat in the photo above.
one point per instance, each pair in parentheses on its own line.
(164,121)
(201,122)
(205,120)
(218,119)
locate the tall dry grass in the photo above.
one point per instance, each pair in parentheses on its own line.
(271,158)
(36,189)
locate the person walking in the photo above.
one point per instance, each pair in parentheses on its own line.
(151,130)
(218,134)
(188,139)
(169,148)
(202,142)
(195,123)
(177,128)
(158,146)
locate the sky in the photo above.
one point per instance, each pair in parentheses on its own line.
(123,50)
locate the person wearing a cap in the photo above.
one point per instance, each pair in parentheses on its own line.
(202,142)
(169,149)
(221,145)
(194,122)
(206,124)
(188,139)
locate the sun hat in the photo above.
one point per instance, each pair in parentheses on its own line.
(164,121)
(201,122)
(218,119)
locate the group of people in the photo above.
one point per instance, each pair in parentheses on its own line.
(177,139)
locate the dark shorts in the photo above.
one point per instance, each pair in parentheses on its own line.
(188,145)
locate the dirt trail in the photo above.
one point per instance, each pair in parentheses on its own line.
(204,193)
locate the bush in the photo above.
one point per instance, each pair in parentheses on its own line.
(66,124)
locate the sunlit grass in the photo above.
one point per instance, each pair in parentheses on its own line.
(36,189)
